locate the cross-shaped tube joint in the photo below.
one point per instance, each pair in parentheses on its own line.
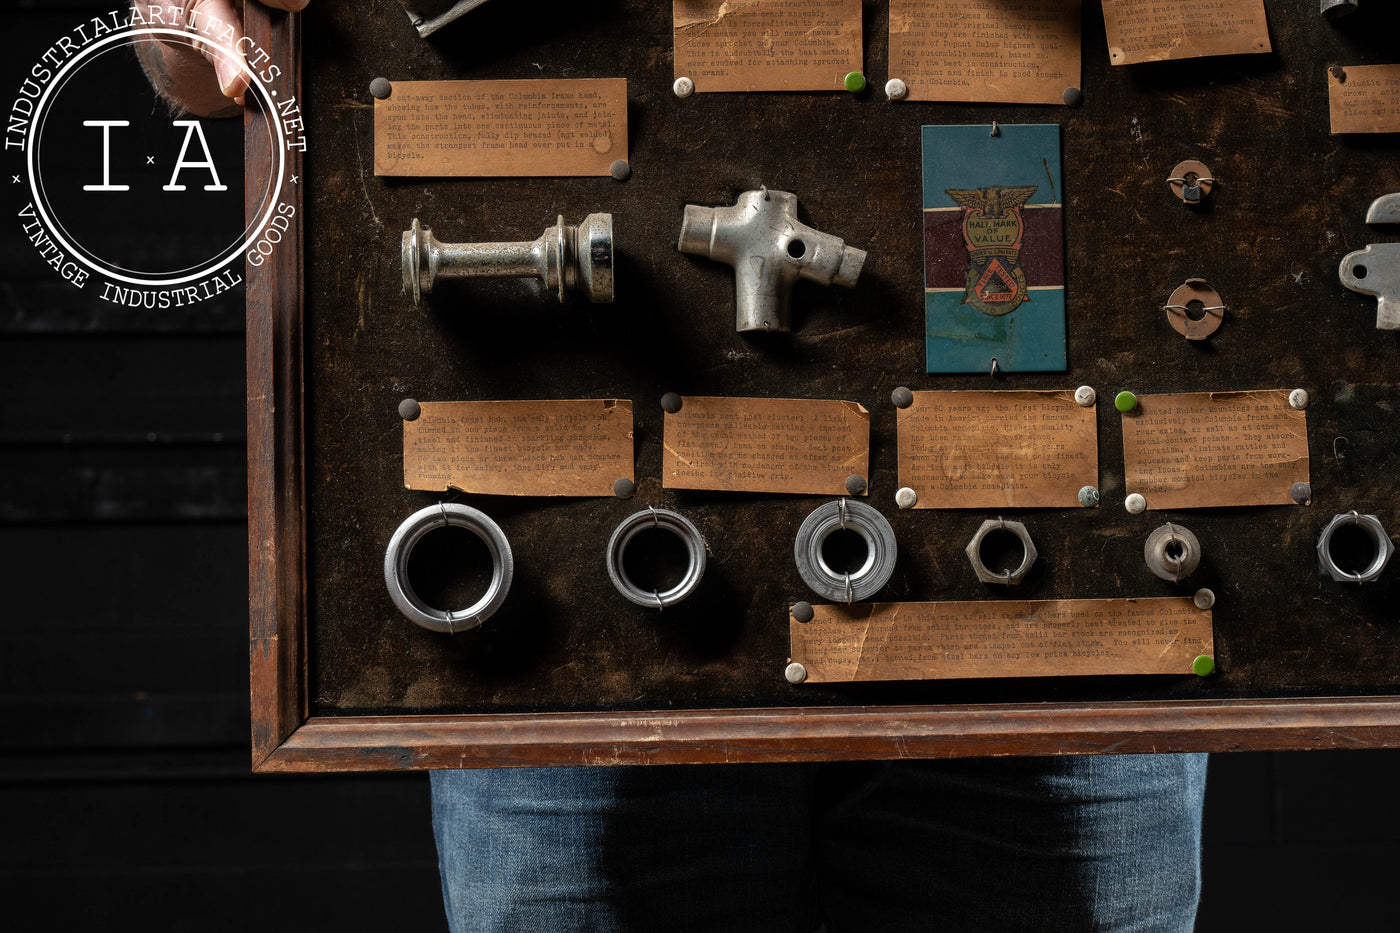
(761,237)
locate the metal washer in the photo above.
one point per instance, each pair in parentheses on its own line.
(406,538)
(881,551)
(676,524)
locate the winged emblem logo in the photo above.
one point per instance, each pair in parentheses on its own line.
(991,229)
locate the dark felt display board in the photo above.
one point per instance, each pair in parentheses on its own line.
(1289,203)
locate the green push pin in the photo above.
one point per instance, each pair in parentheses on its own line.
(1203,666)
(855,82)
(1125,401)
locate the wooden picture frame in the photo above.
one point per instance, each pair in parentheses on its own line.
(287,738)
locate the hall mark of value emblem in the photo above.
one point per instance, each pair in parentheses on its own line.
(992,229)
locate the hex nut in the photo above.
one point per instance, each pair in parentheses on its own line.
(1374,529)
(1009,577)
(1172,552)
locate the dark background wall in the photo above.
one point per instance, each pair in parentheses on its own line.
(125,789)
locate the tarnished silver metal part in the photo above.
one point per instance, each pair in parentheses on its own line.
(880,551)
(896,89)
(1029,555)
(1375,270)
(906,498)
(1089,497)
(428,16)
(413,530)
(1085,396)
(664,520)
(683,87)
(795,673)
(1385,210)
(565,258)
(1172,552)
(1204,598)
(1373,529)
(1298,399)
(1335,8)
(761,237)
(1135,503)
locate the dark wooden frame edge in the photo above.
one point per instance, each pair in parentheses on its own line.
(285,737)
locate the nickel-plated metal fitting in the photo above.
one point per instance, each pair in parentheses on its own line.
(1010,577)
(428,16)
(1172,552)
(1375,270)
(564,258)
(662,520)
(874,571)
(761,237)
(1335,8)
(418,526)
(1372,528)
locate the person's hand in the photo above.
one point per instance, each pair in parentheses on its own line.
(204,79)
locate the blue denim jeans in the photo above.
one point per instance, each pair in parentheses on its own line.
(1099,843)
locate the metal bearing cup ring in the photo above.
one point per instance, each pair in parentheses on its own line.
(1172,552)
(880,551)
(413,530)
(1373,529)
(666,520)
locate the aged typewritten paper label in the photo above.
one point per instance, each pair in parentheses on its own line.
(1159,30)
(991,450)
(1365,98)
(1001,638)
(528,448)
(532,128)
(766,445)
(985,50)
(1207,449)
(767,45)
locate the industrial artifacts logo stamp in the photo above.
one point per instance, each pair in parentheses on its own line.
(991,229)
(131,203)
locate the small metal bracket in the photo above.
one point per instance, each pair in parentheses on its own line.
(1375,271)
